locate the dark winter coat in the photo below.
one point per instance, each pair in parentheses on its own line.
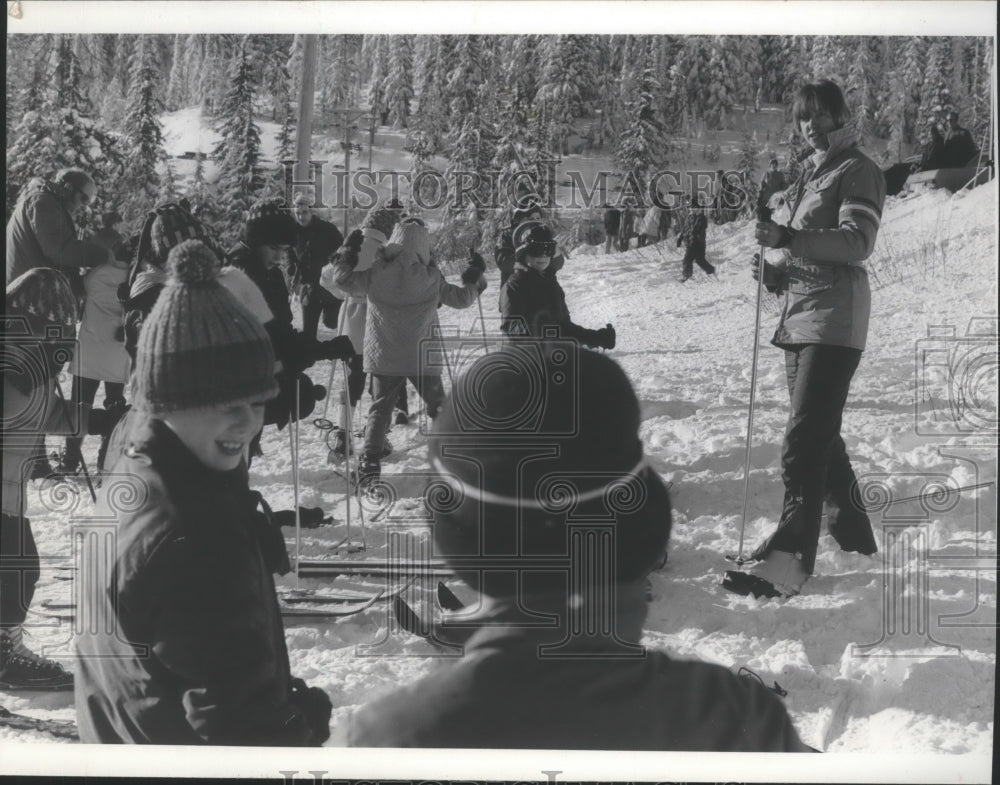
(142,296)
(612,220)
(694,229)
(270,282)
(532,302)
(41,233)
(502,695)
(315,245)
(836,211)
(959,148)
(198,653)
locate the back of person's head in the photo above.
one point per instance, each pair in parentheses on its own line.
(74,178)
(44,293)
(410,237)
(269,223)
(200,347)
(532,440)
(822,96)
(165,227)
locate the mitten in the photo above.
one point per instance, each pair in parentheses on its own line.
(471,274)
(475,260)
(315,706)
(339,348)
(606,337)
(348,252)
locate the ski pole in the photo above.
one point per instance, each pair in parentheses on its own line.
(348,450)
(326,403)
(763,214)
(294,450)
(482,324)
(83,463)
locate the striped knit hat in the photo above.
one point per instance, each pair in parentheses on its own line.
(200,347)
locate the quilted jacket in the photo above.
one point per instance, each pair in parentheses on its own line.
(403,291)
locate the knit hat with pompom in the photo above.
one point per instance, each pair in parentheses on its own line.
(200,347)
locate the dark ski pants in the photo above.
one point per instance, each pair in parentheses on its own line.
(84,392)
(814,459)
(19,569)
(385,393)
(695,254)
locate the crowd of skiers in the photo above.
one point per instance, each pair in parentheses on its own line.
(196,652)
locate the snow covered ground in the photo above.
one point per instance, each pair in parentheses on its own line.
(892,653)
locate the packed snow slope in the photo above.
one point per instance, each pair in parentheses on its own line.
(894,652)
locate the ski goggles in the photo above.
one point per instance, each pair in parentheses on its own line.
(541,249)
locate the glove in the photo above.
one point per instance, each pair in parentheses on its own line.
(471,274)
(348,252)
(475,260)
(772,235)
(339,348)
(772,276)
(280,409)
(315,706)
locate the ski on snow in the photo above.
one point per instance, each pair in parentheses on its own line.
(64,728)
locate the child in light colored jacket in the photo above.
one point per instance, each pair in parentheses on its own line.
(404,289)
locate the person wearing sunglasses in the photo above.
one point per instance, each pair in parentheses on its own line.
(41,231)
(532,301)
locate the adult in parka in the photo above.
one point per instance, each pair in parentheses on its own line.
(836,211)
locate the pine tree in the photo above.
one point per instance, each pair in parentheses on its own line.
(746,167)
(565,89)
(862,77)
(935,95)
(143,132)
(643,143)
(375,46)
(176,94)
(721,76)
(238,152)
(399,80)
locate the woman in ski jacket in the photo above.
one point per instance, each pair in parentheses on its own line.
(404,290)
(187,643)
(836,211)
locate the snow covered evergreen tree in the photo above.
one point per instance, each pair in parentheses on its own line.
(177,82)
(565,88)
(143,133)
(238,152)
(643,144)
(935,95)
(863,74)
(399,80)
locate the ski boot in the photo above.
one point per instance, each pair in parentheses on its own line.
(369,471)
(22,669)
(779,574)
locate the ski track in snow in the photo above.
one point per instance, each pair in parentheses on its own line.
(687,349)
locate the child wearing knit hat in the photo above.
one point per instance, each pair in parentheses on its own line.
(555,517)
(196,653)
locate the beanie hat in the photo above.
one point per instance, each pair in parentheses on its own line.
(165,226)
(382,219)
(199,346)
(531,439)
(269,223)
